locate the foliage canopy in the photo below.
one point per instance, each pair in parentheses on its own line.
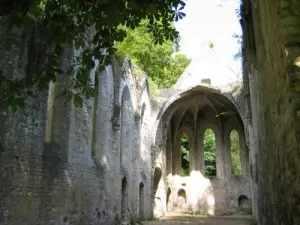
(92,27)
(157,61)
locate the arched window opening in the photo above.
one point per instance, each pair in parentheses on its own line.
(125,128)
(95,109)
(144,133)
(50,111)
(235,153)
(124,196)
(141,201)
(209,142)
(185,155)
(244,204)
(181,197)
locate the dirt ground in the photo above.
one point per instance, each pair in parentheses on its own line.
(200,220)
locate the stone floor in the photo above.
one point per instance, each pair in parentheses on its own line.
(200,220)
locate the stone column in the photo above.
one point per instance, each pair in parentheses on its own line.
(227,155)
(221,156)
(169,155)
(193,153)
(244,154)
(62,109)
(176,156)
(200,151)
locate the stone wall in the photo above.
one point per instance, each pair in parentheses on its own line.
(271,47)
(100,163)
(65,165)
(192,112)
(197,194)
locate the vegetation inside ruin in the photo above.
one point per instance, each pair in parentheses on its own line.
(49,27)
(185,156)
(161,62)
(209,154)
(235,153)
(209,142)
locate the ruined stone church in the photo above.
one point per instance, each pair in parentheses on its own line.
(117,159)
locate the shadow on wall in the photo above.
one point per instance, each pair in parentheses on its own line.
(244,205)
(141,201)
(169,203)
(181,197)
(158,192)
(124,200)
(67,155)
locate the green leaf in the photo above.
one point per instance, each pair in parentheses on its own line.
(36,12)
(43,85)
(29,21)
(82,76)
(10,41)
(181,15)
(94,27)
(58,71)
(78,101)
(211,44)
(14,108)
(19,102)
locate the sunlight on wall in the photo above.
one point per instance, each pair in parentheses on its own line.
(191,194)
(159,193)
(68,178)
(50,105)
(211,205)
(104,159)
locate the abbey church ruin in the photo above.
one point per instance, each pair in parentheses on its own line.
(117,159)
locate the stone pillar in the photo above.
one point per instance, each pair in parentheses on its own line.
(102,110)
(177,155)
(193,153)
(221,155)
(200,151)
(244,154)
(227,154)
(60,130)
(169,155)
(202,127)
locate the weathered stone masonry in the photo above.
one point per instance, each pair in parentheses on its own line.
(105,163)
(193,110)
(271,47)
(63,165)
(117,159)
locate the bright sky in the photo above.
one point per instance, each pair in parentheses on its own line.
(207,21)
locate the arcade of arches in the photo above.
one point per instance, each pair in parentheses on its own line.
(202,110)
(127,155)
